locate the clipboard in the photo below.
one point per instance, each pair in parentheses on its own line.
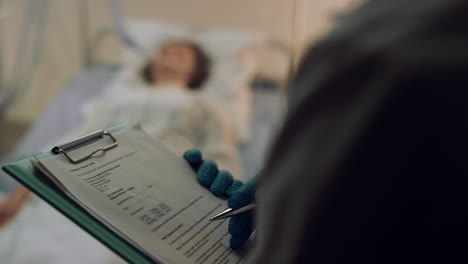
(24,172)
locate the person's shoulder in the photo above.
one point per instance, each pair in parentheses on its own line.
(378,22)
(391,39)
(380,26)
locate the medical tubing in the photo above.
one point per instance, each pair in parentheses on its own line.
(119,24)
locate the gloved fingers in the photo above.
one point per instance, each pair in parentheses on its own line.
(238,240)
(221,183)
(236,184)
(207,172)
(194,158)
(244,195)
(239,223)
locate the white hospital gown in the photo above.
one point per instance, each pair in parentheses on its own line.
(173,114)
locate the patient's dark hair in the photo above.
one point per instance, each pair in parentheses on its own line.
(199,75)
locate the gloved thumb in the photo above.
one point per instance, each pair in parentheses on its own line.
(244,195)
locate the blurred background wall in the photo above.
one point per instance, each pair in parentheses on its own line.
(72,25)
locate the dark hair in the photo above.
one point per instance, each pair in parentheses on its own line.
(199,75)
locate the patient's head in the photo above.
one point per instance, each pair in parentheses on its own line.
(181,62)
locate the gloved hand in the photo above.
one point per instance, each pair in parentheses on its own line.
(221,183)
(241,226)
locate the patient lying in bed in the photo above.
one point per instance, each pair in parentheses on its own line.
(167,106)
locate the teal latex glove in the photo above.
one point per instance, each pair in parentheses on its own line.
(241,226)
(221,183)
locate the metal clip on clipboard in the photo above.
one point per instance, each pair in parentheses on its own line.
(82,141)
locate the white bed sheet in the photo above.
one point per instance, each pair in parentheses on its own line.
(41,235)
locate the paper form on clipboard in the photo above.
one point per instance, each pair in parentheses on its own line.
(149,196)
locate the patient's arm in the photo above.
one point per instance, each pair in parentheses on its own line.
(11,206)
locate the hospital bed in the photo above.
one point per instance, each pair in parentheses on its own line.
(63,116)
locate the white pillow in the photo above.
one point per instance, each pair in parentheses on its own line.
(149,36)
(220,44)
(233,65)
(267,59)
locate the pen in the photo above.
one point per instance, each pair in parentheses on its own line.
(231,212)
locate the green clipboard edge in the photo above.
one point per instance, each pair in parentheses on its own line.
(23,172)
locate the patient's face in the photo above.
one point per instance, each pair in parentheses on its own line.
(174,62)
